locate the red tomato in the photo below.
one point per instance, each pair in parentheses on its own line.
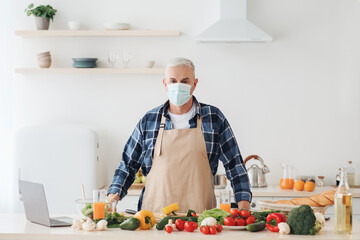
(240,222)
(189,227)
(205,229)
(228,221)
(219,227)
(250,220)
(212,229)
(244,213)
(169,229)
(195,224)
(234,212)
(179,224)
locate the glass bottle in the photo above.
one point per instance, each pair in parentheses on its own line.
(351,174)
(320,181)
(287,180)
(338,177)
(343,206)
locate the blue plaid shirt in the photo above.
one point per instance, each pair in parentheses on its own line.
(220,144)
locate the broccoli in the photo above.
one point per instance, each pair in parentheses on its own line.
(302,220)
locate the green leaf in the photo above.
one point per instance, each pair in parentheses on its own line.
(31,6)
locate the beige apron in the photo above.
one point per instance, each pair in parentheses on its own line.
(180,172)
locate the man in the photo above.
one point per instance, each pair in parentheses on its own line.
(178,146)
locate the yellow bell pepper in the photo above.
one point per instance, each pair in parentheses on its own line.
(146,218)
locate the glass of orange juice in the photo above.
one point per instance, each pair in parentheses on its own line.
(225,200)
(99,204)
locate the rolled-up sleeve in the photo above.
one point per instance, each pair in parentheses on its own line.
(233,163)
(130,163)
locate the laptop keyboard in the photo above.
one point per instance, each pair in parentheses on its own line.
(54,221)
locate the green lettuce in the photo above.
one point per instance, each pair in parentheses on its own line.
(216,213)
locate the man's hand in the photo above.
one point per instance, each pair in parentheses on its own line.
(116,199)
(111,195)
(244,205)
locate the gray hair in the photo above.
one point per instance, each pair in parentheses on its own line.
(179,61)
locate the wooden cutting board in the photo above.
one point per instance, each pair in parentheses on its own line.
(355,186)
(137,186)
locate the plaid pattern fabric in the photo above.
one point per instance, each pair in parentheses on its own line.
(220,144)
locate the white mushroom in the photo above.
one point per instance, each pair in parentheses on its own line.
(77,224)
(284,228)
(209,221)
(89,225)
(101,225)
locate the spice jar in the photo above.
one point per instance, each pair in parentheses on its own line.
(320,181)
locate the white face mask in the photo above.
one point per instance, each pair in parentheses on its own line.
(179,93)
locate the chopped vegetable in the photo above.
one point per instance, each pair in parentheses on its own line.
(284,228)
(172,208)
(301,220)
(273,219)
(216,213)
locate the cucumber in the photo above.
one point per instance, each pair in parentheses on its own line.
(255,227)
(130,224)
(161,225)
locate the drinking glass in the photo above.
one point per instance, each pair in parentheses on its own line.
(112,58)
(127,56)
(225,200)
(99,204)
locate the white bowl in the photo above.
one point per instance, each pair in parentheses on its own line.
(149,64)
(117,26)
(73,25)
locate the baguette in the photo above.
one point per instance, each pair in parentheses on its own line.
(286,202)
(321,200)
(305,201)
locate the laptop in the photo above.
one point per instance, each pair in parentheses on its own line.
(36,209)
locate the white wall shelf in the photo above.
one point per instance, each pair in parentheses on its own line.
(97,33)
(90,70)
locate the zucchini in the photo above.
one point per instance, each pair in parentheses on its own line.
(255,227)
(161,225)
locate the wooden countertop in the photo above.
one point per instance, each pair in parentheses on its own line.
(273,191)
(15,226)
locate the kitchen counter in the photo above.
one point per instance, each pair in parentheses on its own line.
(15,226)
(274,191)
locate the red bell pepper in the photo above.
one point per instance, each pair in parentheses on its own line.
(273,219)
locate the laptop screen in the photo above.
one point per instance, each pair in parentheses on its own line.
(35,205)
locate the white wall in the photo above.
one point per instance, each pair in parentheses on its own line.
(295,99)
(6,108)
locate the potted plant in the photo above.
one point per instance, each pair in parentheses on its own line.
(43,14)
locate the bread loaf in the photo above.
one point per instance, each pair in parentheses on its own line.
(305,201)
(287,202)
(319,200)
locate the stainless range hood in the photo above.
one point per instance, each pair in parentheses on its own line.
(233,26)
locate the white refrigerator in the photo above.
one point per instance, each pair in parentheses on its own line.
(61,157)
